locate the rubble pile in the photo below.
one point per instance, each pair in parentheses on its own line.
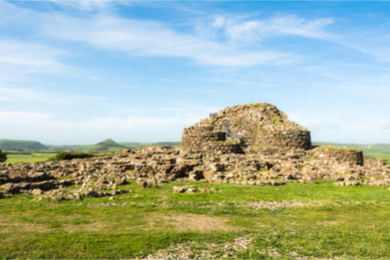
(251,144)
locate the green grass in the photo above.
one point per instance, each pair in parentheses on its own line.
(115,149)
(349,222)
(29,158)
(381,156)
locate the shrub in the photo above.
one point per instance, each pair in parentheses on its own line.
(3,156)
(69,156)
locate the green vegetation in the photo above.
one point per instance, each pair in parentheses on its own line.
(329,147)
(385,157)
(3,156)
(28,157)
(69,156)
(20,145)
(343,222)
(72,148)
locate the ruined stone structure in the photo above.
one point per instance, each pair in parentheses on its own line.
(252,144)
(254,126)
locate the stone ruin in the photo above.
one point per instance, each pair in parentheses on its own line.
(251,144)
(249,127)
(258,128)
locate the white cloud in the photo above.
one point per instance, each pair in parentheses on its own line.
(219,21)
(12,94)
(384,123)
(23,63)
(29,57)
(343,129)
(44,128)
(22,118)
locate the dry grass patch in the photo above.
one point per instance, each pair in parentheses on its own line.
(196,250)
(191,222)
(335,222)
(22,227)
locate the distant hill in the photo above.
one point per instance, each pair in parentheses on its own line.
(20,145)
(107,145)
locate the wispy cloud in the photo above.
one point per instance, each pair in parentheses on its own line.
(23,95)
(224,40)
(256,30)
(28,57)
(154,39)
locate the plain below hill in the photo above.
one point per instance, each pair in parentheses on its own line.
(20,145)
(134,145)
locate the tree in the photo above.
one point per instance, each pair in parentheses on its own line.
(3,156)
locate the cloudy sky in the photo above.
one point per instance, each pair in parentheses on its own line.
(78,72)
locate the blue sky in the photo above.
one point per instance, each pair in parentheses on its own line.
(78,72)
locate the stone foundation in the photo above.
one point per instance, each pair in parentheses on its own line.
(222,147)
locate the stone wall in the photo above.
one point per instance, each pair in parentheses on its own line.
(195,137)
(284,138)
(222,147)
(331,154)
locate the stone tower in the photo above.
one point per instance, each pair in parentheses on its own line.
(246,128)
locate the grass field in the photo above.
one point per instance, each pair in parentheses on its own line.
(29,158)
(381,156)
(323,221)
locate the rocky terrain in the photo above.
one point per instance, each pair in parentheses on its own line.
(252,144)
